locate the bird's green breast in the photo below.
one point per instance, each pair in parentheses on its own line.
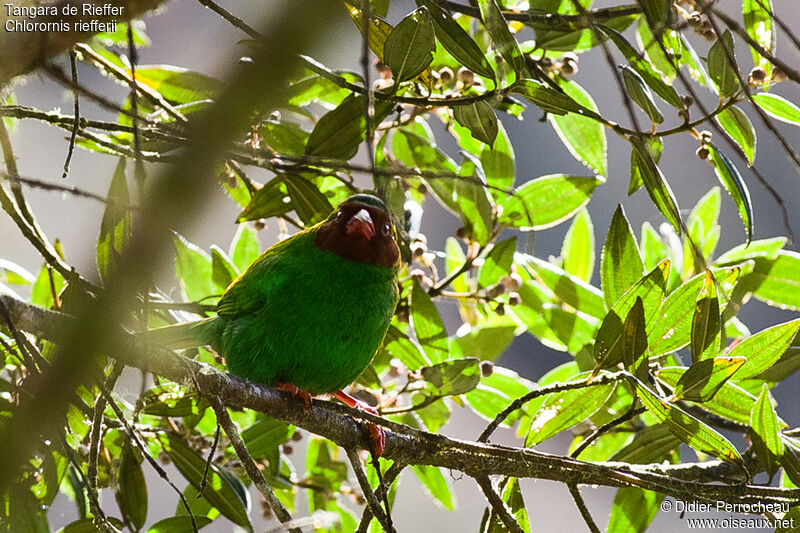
(306,316)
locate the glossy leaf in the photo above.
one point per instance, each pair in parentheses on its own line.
(547,200)
(640,94)
(577,250)
(620,262)
(731,401)
(703,230)
(436,484)
(503,40)
(644,69)
(764,422)
(705,333)
(584,137)
(549,99)
(265,435)
(457,41)
(307,201)
(115,228)
(178,524)
(562,410)
(741,130)
(225,492)
(497,262)
(687,428)
(764,348)
(778,107)
(656,184)
(244,247)
(633,510)
(758,23)
(131,493)
(567,288)
(13,274)
(704,379)
(428,325)
(223,271)
(476,209)
(479,118)
(763,248)
(775,282)
(634,341)
(379,29)
(408,49)
(722,65)
(654,145)
(452,377)
(193,268)
(650,445)
(339,131)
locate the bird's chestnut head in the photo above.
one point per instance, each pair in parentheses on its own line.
(360,230)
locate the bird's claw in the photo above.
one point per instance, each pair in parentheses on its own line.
(376,433)
(296,392)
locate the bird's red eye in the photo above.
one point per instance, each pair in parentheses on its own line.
(387,229)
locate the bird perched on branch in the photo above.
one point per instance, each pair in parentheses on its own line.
(310,313)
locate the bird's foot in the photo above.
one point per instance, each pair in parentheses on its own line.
(376,433)
(297,393)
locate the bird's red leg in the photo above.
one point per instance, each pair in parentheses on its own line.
(294,391)
(376,433)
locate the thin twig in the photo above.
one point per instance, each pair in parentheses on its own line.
(68,189)
(77,112)
(587,516)
(602,379)
(629,414)
(255,475)
(385,518)
(208,462)
(498,505)
(381,492)
(233,19)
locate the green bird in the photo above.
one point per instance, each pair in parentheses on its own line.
(311,311)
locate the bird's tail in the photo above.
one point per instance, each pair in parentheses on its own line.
(187,334)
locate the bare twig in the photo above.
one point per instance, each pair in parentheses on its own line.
(255,475)
(233,19)
(374,504)
(587,516)
(498,505)
(76,124)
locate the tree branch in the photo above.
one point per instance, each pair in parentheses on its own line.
(349,428)
(498,505)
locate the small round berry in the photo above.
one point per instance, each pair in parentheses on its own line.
(466,76)
(702,152)
(259,225)
(500,309)
(461,233)
(705,136)
(487,368)
(513,281)
(446,75)
(495,290)
(756,77)
(778,75)
(514,298)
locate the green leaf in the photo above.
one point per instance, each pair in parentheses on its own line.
(549,99)
(452,377)
(620,261)
(479,118)
(758,23)
(13,274)
(497,262)
(496,391)
(640,94)
(264,435)
(703,229)
(224,492)
(512,496)
(283,137)
(652,444)
(656,13)
(776,282)
(476,209)
(655,183)
(487,340)
(633,510)
(741,130)
(765,248)
(634,337)
(577,250)
(572,36)
(705,332)
(223,271)
(409,48)
(731,401)
(672,330)
(655,146)
(379,30)
(502,38)
(436,484)
(778,107)
(687,428)
(548,200)
(131,493)
(178,85)
(307,201)
(178,524)
(722,65)
(704,379)
(193,269)
(244,247)
(339,131)
(562,410)
(457,41)
(764,348)
(644,68)
(428,325)
(764,422)
(567,288)
(269,201)
(115,229)
(407,351)
(584,137)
